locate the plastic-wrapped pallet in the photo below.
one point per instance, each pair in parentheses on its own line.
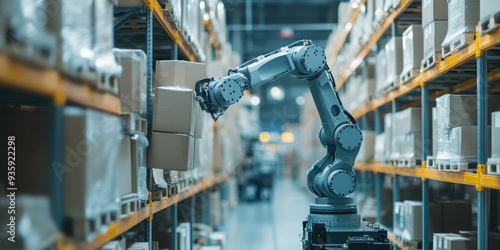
(133,81)
(107,68)
(380,14)
(388,6)
(412,52)
(380,72)
(139,143)
(398,218)
(89,170)
(434,10)
(494,161)
(367,149)
(388,136)
(357,31)
(344,13)
(73,26)
(125,180)
(456,111)
(33,227)
(367,82)
(406,137)
(463,16)
(380,148)
(129,3)
(368,21)
(174,10)
(394,51)
(489,16)
(24,34)
(159,187)
(434,34)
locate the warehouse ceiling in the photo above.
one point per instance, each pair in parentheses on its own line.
(256,27)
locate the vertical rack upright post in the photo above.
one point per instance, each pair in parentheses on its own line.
(395,178)
(425,151)
(149,114)
(378,176)
(482,153)
(56,132)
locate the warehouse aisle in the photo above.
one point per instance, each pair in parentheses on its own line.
(275,225)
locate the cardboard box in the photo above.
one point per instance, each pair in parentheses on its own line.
(381,71)
(139,246)
(452,242)
(463,142)
(92,142)
(200,120)
(388,136)
(413,49)
(367,149)
(434,34)
(461,110)
(394,51)
(398,218)
(174,110)
(434,10)
(133,81)
(437,240)
(380,147)
(171,151)
(495,135)
(411,146)
(413,220)
(407,121)
(179,73)
(435,135)
(454,209)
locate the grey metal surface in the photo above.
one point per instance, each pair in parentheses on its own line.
(269,225)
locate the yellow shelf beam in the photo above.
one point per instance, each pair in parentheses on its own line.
(214,40)
(487,181)
(353,64)
(451,62)
(332,56)
(171,30)
(122,225)
(50,83)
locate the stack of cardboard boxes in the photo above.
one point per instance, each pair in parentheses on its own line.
(177,120)
(443,218)
(435,26)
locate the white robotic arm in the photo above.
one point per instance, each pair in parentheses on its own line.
(332,176)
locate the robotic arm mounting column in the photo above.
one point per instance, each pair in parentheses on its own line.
(331,177)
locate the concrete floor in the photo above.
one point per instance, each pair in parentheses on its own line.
(269,225)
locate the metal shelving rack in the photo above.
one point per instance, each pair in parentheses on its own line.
(124,224)
(22,81)
(477,57)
